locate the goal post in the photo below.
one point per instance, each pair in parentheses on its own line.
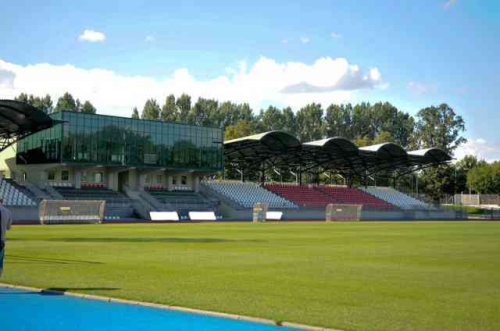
(260,212)
(71,211)
(343,212)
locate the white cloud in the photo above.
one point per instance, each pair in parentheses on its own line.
(149,39)
(420,88)
(450,3)
(335,35)
(92,36)
(480,148)
(6,79)
(305,40)
(327,74)
(285,41)
(264,82)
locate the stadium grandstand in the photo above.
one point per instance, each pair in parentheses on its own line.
(139,167)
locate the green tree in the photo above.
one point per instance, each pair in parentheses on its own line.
(135,113)
(66,102)
(184,106)
(45,104)
(204,112)
(242,128)
(439,127)
(289,121)
(23,97)
(169,110)
(151,110)
(442,128)
(338,121)
(310,123)
(88,108)
(485,178)
(462,169)
(271,119)
(382,137)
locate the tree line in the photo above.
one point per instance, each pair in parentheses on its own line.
(65,102)
(364,123)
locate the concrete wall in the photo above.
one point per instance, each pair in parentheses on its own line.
(230,213)
(24,214)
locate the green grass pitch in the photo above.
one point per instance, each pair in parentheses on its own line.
(350,276)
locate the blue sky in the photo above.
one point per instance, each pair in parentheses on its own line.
(424,52)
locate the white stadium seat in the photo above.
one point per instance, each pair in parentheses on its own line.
(396,198)
(248,194)
(11,195)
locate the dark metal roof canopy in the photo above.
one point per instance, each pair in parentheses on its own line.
(19,120)
(278,149)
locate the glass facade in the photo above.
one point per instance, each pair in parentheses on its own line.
(118,141)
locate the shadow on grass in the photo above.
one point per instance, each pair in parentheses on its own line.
(58,290)
(149,240)
(18,258)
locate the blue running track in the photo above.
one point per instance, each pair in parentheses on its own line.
(26,310)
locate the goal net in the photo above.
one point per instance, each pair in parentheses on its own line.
(71,211)
(341,212)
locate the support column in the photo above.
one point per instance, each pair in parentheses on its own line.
(196,183)
(112,178)
(141,182)
(78,178)
(169,183)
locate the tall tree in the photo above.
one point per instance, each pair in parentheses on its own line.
(88,108)
(203,112)
(310,123)
(485,178)
(66,102)
(135,113)
(289,121)
(242,128)
(271,119)
(45,104)
(23,97)
(151,110)
(440,127)
(184,106)
(169,111)
(462,169)
(338,121)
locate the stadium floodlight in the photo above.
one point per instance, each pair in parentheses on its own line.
(343,212)
(71,211)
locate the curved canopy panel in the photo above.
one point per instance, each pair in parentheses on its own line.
(280,150)
(254,150)
(385,150)
(339,143)
(18,120)
(428,155)
(275,140)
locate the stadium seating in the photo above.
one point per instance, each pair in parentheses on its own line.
(304,196)
(12,196)
(349,195)
(248,194)
(396,198)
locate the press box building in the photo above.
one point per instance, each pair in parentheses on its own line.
(90,150)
